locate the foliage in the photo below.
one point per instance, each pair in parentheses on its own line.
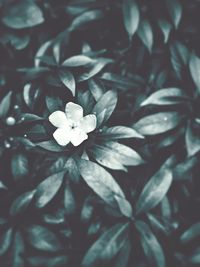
(112,179)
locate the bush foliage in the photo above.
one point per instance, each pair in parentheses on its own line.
(100,133)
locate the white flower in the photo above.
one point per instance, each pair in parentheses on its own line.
(72,126)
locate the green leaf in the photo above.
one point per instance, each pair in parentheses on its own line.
(48,261)
(77,61)
(68,80)
(104,185)
(124,154)
(94,68)
(23,14)
(183,170)
(195,258)
(146,34)
(166,96)
(69,200)
(86,17)
(107,246)
(192,140)
(96,88)
(18,248)
(105,104)
(179,58)
(120,82)
(21,203)
(107,157)
(19,166)
(5,104)
(165,27)
(194,65)
(41,51)
(43,239)
(158,123)
(50,146)
(47,189)
(154,190)
(150,244)
(191,233)
(5,241)
(123,255)
(120,132)
(175,11)
(131,16)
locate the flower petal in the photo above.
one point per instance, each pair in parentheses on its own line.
(88,123)
(74,111)
(61,135)
(58,118)
(77,136)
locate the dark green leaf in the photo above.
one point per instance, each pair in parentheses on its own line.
(20,204)
(154,190)
(68,80)
(150,244)
(105,104)
(5,241)
(77,61)
(175,10)
(21,15)
(47,189)
(146,34)
(166,96)
(84,18)
(5,104)
(191,233)
(19,166)
(107,157)
(131,16)
(18,248)
(94,68)
(107,246)
(179,58)
(50,145)
(165,27)
(43,239)
(103,185)
(119,132)
(158,123)
(194,65)
(96,88)
(192,140)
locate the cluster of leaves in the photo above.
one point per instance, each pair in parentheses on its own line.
(129,194)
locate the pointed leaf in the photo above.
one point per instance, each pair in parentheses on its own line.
(150,244)
(47,189)
(21,203)
(166,96)
(154,190)
(194,66)
(5,104)
(68,80)
(191,233)
(106,104)
(21,15)
(103,184)
(120,132)
(131,16)
(43,239)
(77,61)
(5,241)
(146,34)
(107,246)
(175,10)
(157,123)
